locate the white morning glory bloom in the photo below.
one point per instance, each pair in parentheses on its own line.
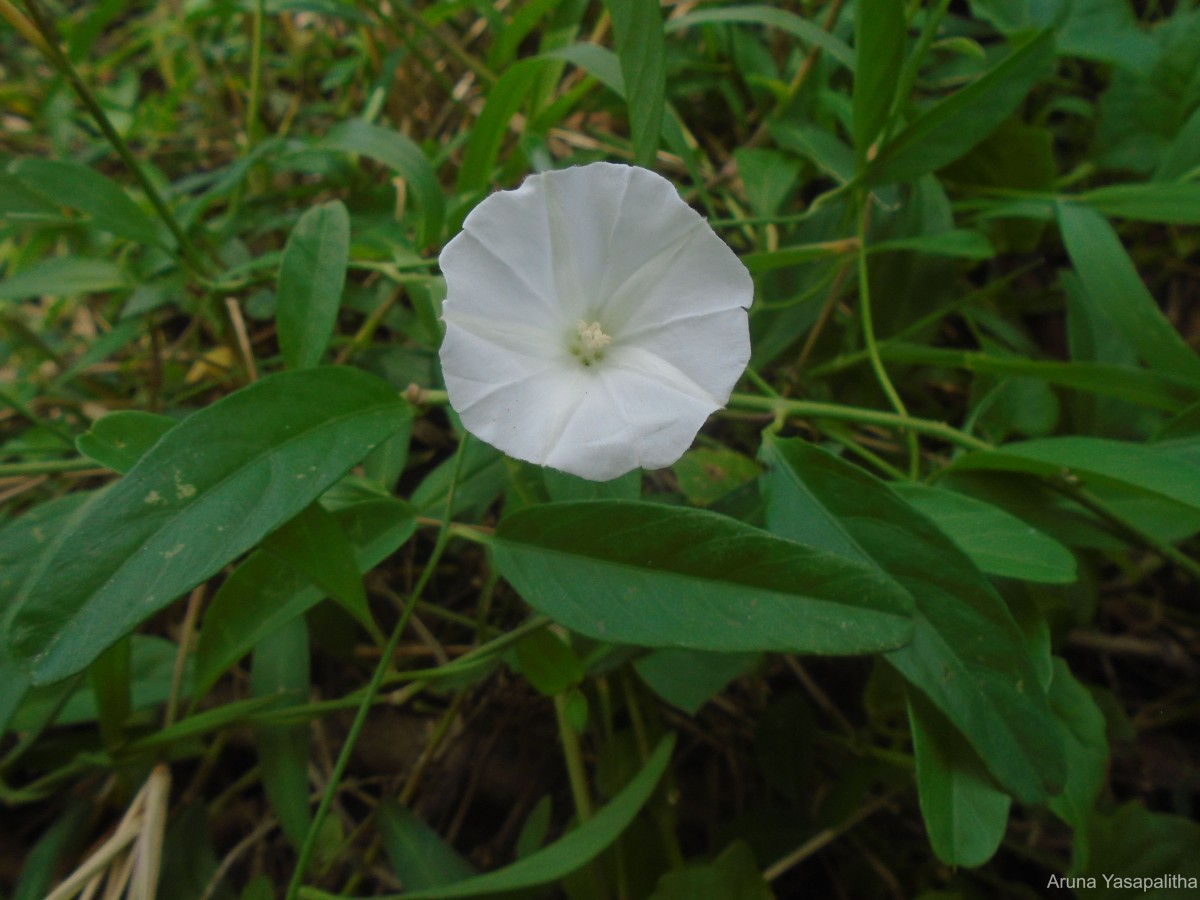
(593,321)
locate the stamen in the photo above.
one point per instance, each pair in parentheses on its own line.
(592,340)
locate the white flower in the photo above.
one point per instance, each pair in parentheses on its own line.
(593,321)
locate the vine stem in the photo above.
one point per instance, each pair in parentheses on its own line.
(48,45)
(868,332)
(385,662)
(818,410)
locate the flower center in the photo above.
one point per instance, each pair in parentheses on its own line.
(591,344)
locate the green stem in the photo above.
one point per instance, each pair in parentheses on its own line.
(574,758)
(256,63)
(47,467)
(868,332)
(385,662)
(59,60)
(817,410)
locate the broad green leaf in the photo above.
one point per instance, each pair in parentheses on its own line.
(690,678)
(82,188)
(753,14)
(641,48)
(951,127)
(1171,204)
(20,202)
(569,853)
(823,149)
(879,36)
(706,475)
(482,478)
(264,593)
(312,274)
(56,843)
(968,655)
(564,486)
(660,576)
(281,667)
(734,875)
(397,152)
(547,661)
(1134,843)
(314,544)
(996,541)
(965,814)
(269,450)
(121,438)
(1086,740)
(63,276)
(419,856)
(504,99)
(26,545)
(1113,284)
(1151,469)
(768,177)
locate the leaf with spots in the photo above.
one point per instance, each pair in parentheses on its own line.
(214,486)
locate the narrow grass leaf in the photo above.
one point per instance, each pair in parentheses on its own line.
(661,576)
(63,276)
(960,243)
(968,655)
(951,127)
(879,37)
(398,153)
(996,541)
(1112,283)
(805,30)
(1156,201)
(641,48)
(82,188)
(569,853)
(179,516)
(504,99)
(312,274)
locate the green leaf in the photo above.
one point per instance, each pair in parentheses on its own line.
(56,843)
(312,274)
(418,854)
(807,31)
(121,438)
(63,276)
(1150,469)
(269,450)
(547,661)
(996,541)
(1112,283)
(314,544)
(660,576)
(264,593)
(879,36)
(690,678)
(951,127)
(83,188)
(968,655)
(397,152)
(959,243)
(281,667)
(706,475)
(965,814)
(1086,740)
(566,855)
(1134,843)
(1182,156)
(20,202)
(504,99)
(734,875)
(1171,204)
(564,486)
(641,48)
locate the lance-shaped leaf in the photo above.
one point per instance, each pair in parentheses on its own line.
(661,576)
(967,656)
(209,490)
(312,274)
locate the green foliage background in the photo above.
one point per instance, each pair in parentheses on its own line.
(915,617)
